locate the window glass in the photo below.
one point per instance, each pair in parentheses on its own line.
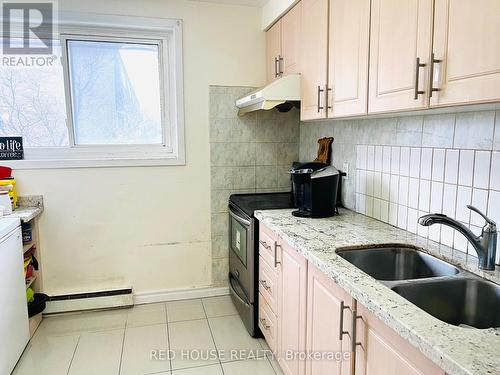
(115,88)
(32,100)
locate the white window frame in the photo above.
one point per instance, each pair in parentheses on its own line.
(167,34)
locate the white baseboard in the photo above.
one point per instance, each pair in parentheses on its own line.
(97,303)
(127,300)
(176,294)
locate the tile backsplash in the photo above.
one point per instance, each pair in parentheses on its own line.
(248,154)
(398,184)
(404,167)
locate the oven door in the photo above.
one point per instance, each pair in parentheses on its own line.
(241,252)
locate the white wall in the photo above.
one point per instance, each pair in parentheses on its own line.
(148,227)
(274,9)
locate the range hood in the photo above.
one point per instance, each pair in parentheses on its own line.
(277,93)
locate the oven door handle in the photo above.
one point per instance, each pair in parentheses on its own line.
(232,282)
(239,219)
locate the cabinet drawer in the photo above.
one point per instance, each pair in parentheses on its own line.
(267,245)
(267,323)
(268,284)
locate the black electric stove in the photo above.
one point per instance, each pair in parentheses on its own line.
(244,251)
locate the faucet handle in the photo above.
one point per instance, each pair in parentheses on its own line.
(488,220)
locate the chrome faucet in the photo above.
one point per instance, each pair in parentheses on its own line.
(485,244)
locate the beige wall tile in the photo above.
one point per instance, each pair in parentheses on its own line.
(475,130)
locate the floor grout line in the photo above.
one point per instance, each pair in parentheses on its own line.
(168,337)
(123,344)
(212,335)
(73,356)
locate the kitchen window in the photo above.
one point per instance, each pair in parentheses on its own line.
(111,96)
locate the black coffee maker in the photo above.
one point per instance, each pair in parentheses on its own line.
(315,189)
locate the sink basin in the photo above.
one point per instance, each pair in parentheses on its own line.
(459,301)
(397,263)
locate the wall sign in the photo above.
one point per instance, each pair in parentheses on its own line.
(11,148)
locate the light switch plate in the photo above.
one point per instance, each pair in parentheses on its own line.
(345,169)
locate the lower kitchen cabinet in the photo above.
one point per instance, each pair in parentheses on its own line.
(381,351)
(329,312)
(292,310)
(312,326)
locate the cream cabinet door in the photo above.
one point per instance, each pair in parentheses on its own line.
(328,325)
(401,35)
(273,55)
(467,52)
(314,59)
(290,39)
(292,311)
(382,351)
(349,44)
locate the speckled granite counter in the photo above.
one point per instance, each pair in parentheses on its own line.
(456,350)
(29,208)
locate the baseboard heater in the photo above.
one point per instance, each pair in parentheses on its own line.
(107,299)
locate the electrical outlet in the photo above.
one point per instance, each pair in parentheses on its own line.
(345,169)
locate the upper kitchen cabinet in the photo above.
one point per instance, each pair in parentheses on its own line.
(314,59)
(273,41)
(400,51)
(283,45)
(349,41)
(466,52)
(290,39)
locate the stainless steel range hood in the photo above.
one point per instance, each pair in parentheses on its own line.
(283,90)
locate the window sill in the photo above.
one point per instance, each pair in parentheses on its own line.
(92,163)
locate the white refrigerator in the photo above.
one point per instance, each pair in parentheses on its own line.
(14,325)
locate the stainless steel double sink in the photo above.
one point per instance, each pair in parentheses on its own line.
(444,291)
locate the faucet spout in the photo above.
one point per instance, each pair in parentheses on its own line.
(428,220)
(485,244)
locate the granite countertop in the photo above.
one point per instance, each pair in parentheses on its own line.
(456,350)
(29,208)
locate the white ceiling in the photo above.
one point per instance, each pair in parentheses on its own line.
(252,3)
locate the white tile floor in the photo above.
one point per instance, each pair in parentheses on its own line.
(120,342)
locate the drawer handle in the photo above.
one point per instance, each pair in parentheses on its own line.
(264,284)
(264,243)
(264,323)
(341,325)
(276,245)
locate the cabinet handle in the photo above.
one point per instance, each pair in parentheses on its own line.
(417,78)
(280,66)
(341,325)
(264,243)
(431,85)
(320,90)
(328,90)
(264,284)
(276,62)
(276,254)
(263,321)
(355,317)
